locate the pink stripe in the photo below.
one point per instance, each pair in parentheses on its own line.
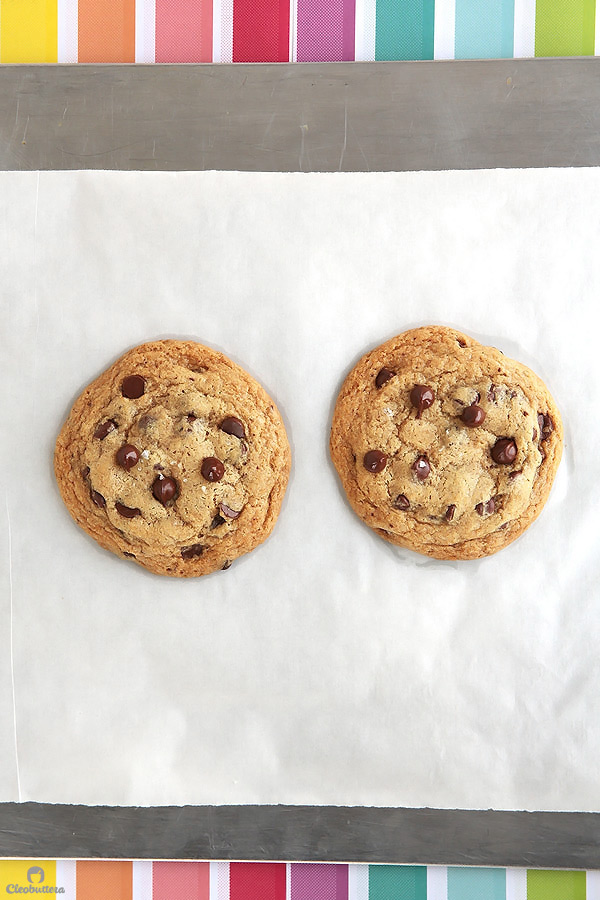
(325,30)
(318,881)
(180,881)
(184,31)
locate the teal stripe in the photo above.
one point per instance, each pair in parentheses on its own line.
(476,884)
(484,29)
(404,29)
(397,882)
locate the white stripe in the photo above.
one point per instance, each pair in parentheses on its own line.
(220,881)
(358,882)
(364,30)
(524,34)
(437,879)
(68,31)
(141,878)
(443,33)
(145,31)
(226,31)
(293,30)
(592,879)
(216,31)
(66,877)
(288,881)
(516,884)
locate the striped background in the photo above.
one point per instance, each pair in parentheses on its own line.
(106,880)
(167,31)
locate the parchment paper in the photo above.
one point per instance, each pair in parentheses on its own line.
(327,667)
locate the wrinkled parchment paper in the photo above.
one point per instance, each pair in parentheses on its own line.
(327,667)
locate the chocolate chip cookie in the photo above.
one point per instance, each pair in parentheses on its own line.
(174,458)
(445,446)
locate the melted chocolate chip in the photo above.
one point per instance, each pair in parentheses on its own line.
(460,342)
(421,467)
(133,387)
(128,456)
(212,468)
(192,551)
(218,520)
(104,428)
(191,418)
(233,426)
(487,508)
(450,512)
(98,499)
(146,422)
(421,397)
(126,511)
(473,415)
(85,472)
(546,426)
(401,502)
(164,489)
(504,451)
(130,555)
(375,461)
(226,565)
(491,394)
(382,376)
(228,511)
(515,473)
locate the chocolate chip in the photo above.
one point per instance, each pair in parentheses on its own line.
(450,512)
(191,418)
(515,473)
(228,511)
(131,555)
(375,461)
(421,467)
(473,415)
(226,565)
(192,551)
(491,394)
(243,448)
(460,342)
(133,387)
(212,468)
(105,428)
(546,426)
(164,489)
(487,508)
(98,499)
(401,502)
(504,451)
(85,472)
(146,422)
(128,456)
(233,426)
(421,397)
(382,376)
(126,511)
(534,435)
(218,520)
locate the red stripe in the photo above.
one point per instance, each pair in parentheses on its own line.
(180,880)
(261,31)
(257,881)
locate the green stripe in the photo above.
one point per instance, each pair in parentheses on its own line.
(565,27)
(397,882)
(404,29)
(543,884)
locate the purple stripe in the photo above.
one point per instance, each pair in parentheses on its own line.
(325,30)
(320,881)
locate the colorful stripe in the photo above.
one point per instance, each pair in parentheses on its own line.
(171,880)
(184,30)
(404,30)
(325,30)
(484,30)
(29,31)
(565,27)
(106,31)
(261,31)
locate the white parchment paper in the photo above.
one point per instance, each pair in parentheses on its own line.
(327,667)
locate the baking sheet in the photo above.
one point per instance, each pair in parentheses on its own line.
(327,667)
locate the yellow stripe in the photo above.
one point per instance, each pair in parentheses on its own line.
(28,31)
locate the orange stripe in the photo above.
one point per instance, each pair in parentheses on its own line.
(107,31)
(104,880)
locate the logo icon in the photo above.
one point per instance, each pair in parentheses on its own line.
(35,875)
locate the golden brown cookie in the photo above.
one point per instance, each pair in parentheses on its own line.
(175,458)
(445,446)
